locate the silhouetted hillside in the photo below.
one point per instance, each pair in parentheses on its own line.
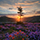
(29,19)
(6,19)
(32,19)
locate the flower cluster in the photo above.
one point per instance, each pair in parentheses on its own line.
(20,35)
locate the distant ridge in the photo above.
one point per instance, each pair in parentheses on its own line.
(32,19)
(6,19)
(29,19)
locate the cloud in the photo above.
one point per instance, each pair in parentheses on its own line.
(34,10)
(13,3)
(27,3)
(38,12)
(9,15)
(31,1)
(10,6)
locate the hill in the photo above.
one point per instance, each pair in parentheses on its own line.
(29,19)
(6,19)
(32,19)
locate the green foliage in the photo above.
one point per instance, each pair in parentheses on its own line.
(3,37)
(10,30)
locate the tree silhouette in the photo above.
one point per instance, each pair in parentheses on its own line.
(20,12)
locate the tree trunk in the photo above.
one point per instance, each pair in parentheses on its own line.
(20,16)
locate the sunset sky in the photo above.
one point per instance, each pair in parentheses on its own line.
(9,8)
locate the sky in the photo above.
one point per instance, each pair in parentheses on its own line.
(9,8)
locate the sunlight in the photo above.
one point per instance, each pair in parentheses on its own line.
(24,11)
(18,18)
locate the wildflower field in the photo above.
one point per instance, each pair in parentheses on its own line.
(25,31)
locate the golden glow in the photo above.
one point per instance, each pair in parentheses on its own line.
(18,18)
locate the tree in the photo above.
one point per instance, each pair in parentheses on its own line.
(20,12)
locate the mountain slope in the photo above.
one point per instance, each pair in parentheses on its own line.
(33,19)
(29,19)
(6,19)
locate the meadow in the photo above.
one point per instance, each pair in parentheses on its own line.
(25,31)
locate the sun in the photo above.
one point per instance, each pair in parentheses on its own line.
(18,17)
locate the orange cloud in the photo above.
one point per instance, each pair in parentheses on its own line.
(26,3)
(10,16)
(38,3)
(15,6)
